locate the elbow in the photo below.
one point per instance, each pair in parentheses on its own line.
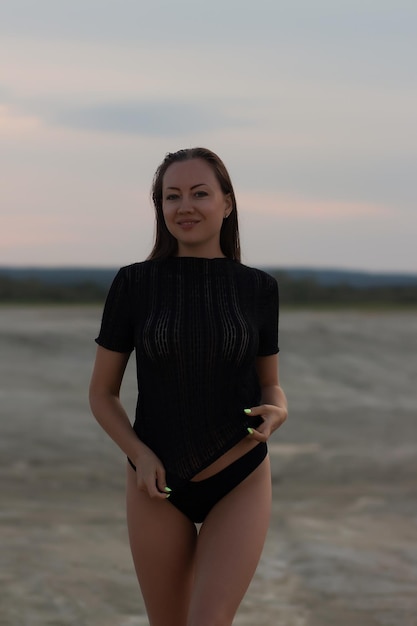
(101,398)
(92,391)
(93,400)
(97,399)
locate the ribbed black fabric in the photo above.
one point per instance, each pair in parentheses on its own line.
(197,326)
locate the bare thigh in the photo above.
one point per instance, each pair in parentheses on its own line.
(162,541)
(229,548)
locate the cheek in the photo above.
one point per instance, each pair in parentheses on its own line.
(167,214)
(168,219)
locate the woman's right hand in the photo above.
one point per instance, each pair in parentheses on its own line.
(150,474)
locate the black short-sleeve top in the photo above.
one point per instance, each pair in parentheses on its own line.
(197,326)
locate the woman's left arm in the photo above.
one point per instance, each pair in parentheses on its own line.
(274,407)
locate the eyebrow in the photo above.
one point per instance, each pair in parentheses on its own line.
(193,187)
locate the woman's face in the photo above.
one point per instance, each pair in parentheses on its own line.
(194,207)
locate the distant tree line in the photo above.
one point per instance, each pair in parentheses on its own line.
(301,292)
(33,290)
(309,291)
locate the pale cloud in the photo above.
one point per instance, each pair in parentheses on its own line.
(67,240)
(92,69)
(365,242)
(19,231)
(302,208)
(60,69)
(159,118)
(14,124)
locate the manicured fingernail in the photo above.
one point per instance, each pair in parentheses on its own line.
(250,431)
(248,410)
(167,496)
(167,489)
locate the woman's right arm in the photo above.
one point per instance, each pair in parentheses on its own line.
(106,407)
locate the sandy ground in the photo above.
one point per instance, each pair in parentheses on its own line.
(342,548)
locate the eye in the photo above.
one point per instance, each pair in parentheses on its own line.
(201,194)
(172,196)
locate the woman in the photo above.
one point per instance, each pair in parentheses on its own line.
(204,329)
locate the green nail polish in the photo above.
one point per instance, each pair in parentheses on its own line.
(247,410)
(250,431)
(167,489)
(167,496)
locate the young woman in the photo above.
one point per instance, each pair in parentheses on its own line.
(204,328)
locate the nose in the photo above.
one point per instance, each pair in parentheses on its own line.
(186,205)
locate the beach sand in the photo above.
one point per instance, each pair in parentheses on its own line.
(342,547)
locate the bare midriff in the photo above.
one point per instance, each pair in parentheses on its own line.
(227,458)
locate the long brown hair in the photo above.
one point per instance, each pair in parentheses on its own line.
(165,244)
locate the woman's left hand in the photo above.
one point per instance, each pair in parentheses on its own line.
(273,417)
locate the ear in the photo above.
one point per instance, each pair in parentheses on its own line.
(228,205)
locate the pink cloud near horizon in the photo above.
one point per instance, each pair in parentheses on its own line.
(300,207)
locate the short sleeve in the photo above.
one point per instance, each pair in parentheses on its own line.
(116,331)
(269,313)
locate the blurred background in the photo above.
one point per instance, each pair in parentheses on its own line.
(312,106)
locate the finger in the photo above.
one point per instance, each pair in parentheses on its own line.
(255,410)
(161,484)
(153,489)
(257,435)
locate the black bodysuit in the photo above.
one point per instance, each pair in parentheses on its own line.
(197,326)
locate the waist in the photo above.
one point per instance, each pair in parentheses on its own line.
(240,449)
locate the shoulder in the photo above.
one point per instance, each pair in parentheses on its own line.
(262,278)
(128,279)
(134,268)
(132,272)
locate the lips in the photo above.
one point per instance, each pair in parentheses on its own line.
(187,224)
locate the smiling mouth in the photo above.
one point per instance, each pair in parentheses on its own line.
(187,223)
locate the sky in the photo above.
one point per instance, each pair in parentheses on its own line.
(311,104)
